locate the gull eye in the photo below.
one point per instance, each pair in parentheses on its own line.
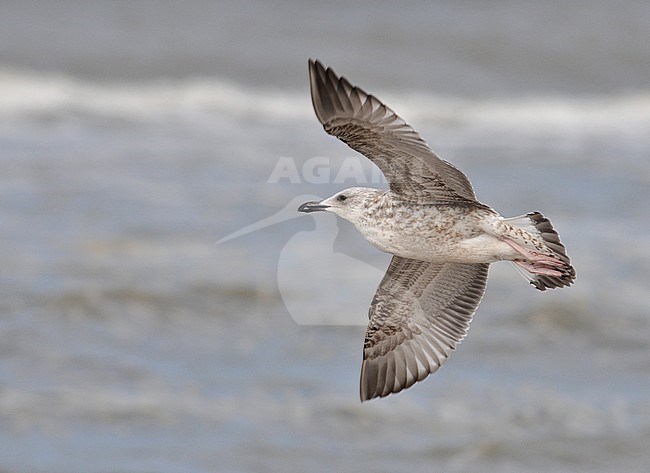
(342,197)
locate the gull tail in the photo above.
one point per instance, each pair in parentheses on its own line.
(549,269)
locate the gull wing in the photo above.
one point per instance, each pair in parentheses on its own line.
(420,312)
(413,171)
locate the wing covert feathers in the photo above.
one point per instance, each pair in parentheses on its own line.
(413,171)
(420,313)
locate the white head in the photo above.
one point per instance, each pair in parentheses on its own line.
(350,204)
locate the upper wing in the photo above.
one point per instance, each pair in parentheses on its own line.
(420,312)
(413,171)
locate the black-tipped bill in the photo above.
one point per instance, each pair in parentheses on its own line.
(308,207)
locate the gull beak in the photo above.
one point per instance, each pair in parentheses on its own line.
(308,207)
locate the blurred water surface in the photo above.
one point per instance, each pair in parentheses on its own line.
(133,135)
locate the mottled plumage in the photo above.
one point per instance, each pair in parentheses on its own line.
(441,238)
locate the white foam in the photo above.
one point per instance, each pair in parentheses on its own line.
(627,112)
(26,93)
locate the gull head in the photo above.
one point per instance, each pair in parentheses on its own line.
(350,204)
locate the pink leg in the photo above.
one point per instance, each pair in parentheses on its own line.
(537,263)
(537,268)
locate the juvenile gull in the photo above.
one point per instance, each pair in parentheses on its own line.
(441,238)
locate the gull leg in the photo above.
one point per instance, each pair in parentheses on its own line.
(537,268)
(536,263)
(539,254)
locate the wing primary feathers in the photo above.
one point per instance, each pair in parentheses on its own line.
(364,123)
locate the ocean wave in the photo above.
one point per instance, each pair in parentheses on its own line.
(31,94)
(28,93)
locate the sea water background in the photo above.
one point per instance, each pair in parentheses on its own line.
(133,135)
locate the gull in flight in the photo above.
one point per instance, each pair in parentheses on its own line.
(442,239)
